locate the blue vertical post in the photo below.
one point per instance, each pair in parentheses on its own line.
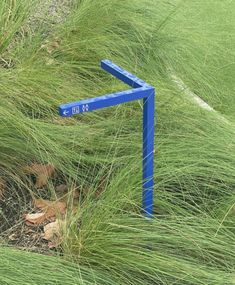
(141,90)
(148,153)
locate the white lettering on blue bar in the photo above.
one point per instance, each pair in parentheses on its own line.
(75,110)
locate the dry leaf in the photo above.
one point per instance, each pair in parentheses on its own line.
(52,233)
(50,207)
(42,172)
(35,219)
(41,203)
(2,187)
(51,229)
(49,211)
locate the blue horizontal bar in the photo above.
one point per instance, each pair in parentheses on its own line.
(88,105)
(123,75)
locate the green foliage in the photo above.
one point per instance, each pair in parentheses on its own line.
(191,240)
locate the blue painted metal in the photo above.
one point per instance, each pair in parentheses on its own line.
(141,90)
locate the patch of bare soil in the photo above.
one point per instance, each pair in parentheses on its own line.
(58,10)
(13,229)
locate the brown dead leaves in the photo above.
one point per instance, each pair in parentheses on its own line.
(53,233)
(51,214)
(34,219)
(42,172)
(47,214)
(49,210)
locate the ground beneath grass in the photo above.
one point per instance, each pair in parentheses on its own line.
(14,205)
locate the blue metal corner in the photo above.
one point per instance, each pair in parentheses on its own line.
(141,90)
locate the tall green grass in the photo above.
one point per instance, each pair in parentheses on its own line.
(200,50)
(175,251)
(191,239)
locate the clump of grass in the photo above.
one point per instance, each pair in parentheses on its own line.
(135,251)
(197,47)
(13,15)
(107,241)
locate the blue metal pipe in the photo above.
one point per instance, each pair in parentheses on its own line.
(141,90)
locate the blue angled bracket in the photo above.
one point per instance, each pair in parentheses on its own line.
(141,90)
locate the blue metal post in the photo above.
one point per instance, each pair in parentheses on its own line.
(141,90)
(148,153)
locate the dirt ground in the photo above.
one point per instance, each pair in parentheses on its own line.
(15,203)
